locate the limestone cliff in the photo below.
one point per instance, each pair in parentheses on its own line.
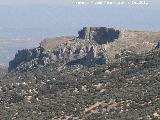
(94,45)
(101,35)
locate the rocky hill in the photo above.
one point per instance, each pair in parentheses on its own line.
(102,74)
(124,90)
(94,45)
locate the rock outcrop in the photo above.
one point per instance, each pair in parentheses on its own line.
(101,35)
(27,55)
(94,45)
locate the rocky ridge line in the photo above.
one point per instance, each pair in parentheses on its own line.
(94,45)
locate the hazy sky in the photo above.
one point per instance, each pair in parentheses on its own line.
(49,2)
(29,1)
(21,2)
(42,18)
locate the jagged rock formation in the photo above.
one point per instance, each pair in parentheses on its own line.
(101,35)
(94,45)
(78,52)
(27,55)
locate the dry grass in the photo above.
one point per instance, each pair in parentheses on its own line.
(137,41)
(50,43)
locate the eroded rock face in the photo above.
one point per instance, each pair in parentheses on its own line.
(27,55)
(79,51)
(94,45)
(101,35)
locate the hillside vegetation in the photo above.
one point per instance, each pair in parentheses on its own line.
(128,89)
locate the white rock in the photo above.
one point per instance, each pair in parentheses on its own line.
(84,88)
(76,90)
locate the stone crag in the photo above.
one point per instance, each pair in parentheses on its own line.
(101,35)
(27,55)
(94,45)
